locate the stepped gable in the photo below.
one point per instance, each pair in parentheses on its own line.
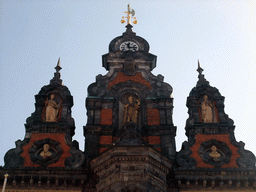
(211,141)
(49,131)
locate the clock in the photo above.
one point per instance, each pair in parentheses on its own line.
(129,46)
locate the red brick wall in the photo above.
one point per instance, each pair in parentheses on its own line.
(106,116)
(223,138)
(120,78)
(154,140)
(145,138)
(153,117)
(106,140)
(102,150)
(39,136)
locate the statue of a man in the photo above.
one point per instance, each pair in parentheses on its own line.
(207,110)
(46,153)
(52,109)
(131,110)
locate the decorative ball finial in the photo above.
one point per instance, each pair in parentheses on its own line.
(129,17)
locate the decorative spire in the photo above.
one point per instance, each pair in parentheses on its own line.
(199,69)
(129,12)
(201,79)
(58,67)
(56,80)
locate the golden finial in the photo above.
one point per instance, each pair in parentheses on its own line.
(129,12)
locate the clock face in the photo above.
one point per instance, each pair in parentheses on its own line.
(129,46)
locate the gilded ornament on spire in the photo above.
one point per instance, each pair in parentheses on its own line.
(130,15)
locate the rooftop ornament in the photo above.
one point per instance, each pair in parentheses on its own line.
(201,79)
(56,80)
(130,15)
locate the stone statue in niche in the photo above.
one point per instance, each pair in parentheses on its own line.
(207,109)
(46,153)
(214,153)
(131,110)
(52,109)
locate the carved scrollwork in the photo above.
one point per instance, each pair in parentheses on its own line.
(77,157)
(183,157)
(12,158)
(247,159)
(160,88)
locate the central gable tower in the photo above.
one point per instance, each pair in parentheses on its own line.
(130,114)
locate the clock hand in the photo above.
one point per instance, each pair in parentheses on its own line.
(128,45)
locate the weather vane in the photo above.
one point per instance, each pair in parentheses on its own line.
(129,13)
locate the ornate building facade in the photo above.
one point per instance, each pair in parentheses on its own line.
(129,135)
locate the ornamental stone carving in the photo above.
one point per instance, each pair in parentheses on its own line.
(215,152)
(45,152)
(207,109)
(131,110)
(51,109)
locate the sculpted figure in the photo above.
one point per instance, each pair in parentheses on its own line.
(131,110)
(46,153)
(214,153)
(207,110)
(52,109)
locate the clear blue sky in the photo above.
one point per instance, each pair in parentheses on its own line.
(34,34)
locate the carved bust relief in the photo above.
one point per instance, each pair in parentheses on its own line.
(215,152)
(45,152)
